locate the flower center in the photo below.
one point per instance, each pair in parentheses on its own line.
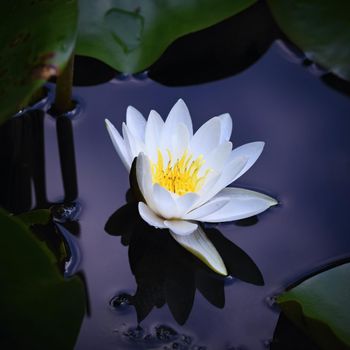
(182,176)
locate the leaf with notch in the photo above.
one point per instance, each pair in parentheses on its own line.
(130,35)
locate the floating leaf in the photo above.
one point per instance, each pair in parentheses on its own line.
(39,308)
(321,307)
(36,39)
(319,27)
(131,35)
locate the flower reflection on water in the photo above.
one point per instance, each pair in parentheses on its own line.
(167,274)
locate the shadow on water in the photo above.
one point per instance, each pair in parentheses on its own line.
(288,336)
(166,273)
(23,162)
(23,190)
(22,158)
(23,182)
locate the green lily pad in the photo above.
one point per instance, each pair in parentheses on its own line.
(39,308)
(320,28)
(36,40)
(321,307)
(130,35)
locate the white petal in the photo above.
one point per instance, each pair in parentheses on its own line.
(179,141)
(150,217)
(226,127)
(133,144)
(164,202)
(136,123)
(119,144)
(206,209)
(179,114)
(217,158)
(206,138)
(251,151)
(153,132)
(144,179)
(199,245)
(243,204)
(209,182)
(180,227)
(228,174)
(185,202)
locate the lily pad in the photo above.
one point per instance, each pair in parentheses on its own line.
(130,35)
(36,40)
(39,308)
(321,307)
(320,28)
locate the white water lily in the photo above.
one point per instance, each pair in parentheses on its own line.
(183,175)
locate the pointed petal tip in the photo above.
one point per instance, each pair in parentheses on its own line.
(223,271)
(110,127)
(274,202)
(259,145)
(108,123)
(130,108)
(180,101)
(219,267)
(225,115)
(199,245)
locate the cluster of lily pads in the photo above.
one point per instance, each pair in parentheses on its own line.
(37,38)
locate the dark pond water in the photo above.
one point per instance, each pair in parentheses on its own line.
(305,165)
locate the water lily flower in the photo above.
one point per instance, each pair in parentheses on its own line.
(183,176)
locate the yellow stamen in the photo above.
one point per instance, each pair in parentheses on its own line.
(182,176)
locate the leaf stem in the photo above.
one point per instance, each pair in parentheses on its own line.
(63,100)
